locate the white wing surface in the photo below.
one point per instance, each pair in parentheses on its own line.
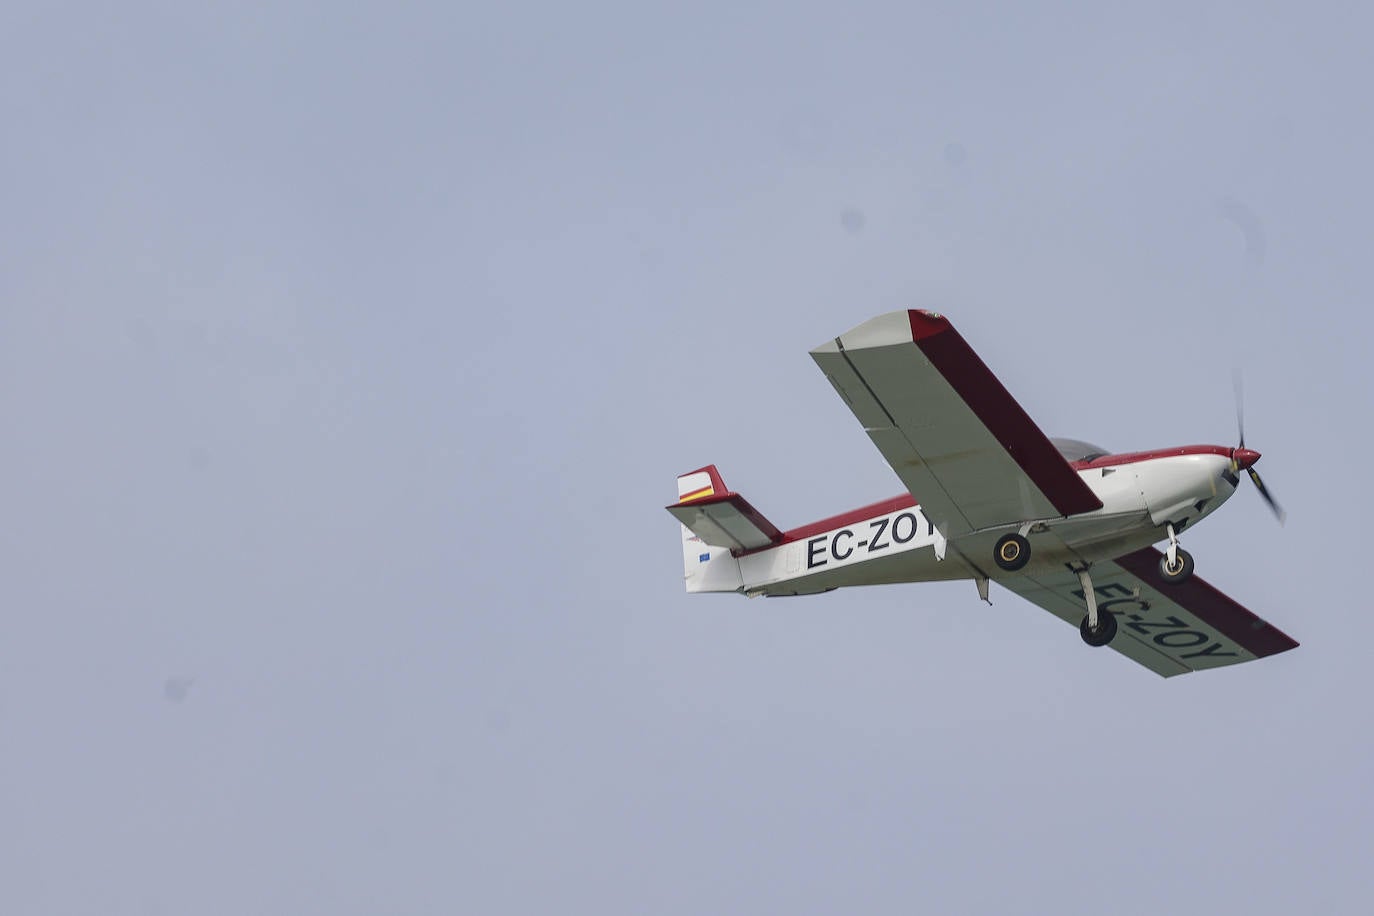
(957,439)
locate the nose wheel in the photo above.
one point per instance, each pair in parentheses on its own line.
(1177,564)
(1180,569)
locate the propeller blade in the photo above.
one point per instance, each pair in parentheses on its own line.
(1273,504)
(1238,384)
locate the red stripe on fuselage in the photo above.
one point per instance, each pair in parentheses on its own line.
(1107,461)
(843,520)
(905,501)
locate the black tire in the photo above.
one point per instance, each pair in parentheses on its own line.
(1179,573)
(1106,629)
(1012,552)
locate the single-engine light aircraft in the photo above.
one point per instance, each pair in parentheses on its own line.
(1062,523)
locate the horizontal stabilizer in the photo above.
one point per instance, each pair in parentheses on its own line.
(717,516)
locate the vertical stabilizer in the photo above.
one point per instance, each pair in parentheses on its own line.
(706,567)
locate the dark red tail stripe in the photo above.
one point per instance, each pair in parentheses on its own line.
(1251,633)
(983,393)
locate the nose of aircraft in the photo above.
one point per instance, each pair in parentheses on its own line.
(1244,457)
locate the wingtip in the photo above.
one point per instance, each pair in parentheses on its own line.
(830,346)
(890,329)
(926,323)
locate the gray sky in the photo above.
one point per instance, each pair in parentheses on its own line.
(347,357)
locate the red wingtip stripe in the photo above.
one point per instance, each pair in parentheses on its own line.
(926,324)
(974,382)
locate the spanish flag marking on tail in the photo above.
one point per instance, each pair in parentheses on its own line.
(694,486)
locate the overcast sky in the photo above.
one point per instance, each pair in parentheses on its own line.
(348,354)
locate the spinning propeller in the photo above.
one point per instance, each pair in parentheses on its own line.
(1242,457)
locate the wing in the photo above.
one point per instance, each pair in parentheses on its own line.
(959,442)
(1169,628)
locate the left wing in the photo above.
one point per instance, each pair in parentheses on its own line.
(958,440)
(1169,628)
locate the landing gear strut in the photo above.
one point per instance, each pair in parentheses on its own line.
(1096,629)
(1012,552)
(1177,563)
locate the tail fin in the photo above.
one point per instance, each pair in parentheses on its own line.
(715,524)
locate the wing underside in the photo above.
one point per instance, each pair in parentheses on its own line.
(1169,628)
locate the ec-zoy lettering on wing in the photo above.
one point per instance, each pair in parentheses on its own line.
(1167,632)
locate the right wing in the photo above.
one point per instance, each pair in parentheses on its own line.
(959,442)
(1170,628)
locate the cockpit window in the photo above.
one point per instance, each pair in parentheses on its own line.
(1077,450)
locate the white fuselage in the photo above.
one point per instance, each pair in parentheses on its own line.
(894,542)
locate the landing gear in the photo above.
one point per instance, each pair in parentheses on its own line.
(1105,630)
(1177,563)
(1012,552)
(1096,629)
(1179,570)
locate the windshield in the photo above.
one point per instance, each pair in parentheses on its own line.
(1078,450)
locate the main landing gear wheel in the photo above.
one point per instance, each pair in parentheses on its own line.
(1106,629)
(1012,552)
(1180,570)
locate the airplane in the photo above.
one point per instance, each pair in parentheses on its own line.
(1065,524)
